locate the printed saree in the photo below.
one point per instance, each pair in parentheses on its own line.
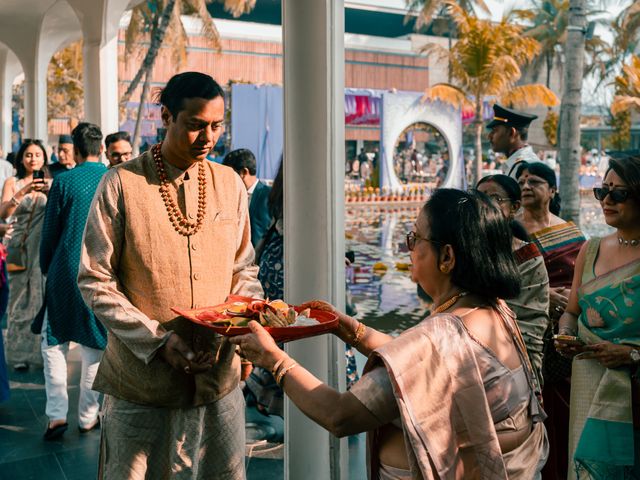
(602,438)
(559,246)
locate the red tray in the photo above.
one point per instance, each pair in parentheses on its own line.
(328,322)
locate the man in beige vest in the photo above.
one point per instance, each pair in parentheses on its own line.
(170,229)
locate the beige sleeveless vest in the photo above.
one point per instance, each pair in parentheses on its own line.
(160,269)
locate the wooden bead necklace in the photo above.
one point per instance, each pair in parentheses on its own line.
(441,308)
(180,223)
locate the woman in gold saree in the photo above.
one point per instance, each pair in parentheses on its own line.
(452,397)
(604,312)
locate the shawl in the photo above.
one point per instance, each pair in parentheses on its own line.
(447,423)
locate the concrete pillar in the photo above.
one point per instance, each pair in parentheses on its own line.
(6,82)
(313,42)
(35,98)
(101,84)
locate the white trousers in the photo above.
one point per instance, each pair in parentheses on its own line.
(55,381)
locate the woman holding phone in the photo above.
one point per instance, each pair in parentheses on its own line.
(601,330)
(24,198)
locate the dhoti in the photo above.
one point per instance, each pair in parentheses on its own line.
(143,442)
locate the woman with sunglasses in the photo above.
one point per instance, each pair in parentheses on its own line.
(452,397)
(559,242)
(24,198)
(602,325)
(531,307)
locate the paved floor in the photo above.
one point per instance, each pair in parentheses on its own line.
(25,456)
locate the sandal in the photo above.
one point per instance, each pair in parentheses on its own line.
(55,432)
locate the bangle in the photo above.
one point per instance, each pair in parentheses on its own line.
(283,372)
(14,202)
(359,334)
(276,366)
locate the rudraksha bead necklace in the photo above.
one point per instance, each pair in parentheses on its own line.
(180,223)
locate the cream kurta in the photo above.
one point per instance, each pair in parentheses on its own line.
(135,267)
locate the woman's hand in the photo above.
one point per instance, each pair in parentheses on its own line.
(558,298)
(346,324)
(568,349)
(258,346)
(609,355)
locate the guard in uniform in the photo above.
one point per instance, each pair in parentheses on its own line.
(508,135)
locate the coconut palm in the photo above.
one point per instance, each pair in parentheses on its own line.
(485,63)
(160,21)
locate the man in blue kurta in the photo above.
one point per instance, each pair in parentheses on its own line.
(67,318)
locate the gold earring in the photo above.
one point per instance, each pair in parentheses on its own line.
(444,269)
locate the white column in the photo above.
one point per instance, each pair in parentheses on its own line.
(314,211)
(35,99)
(5,103)
(101,84)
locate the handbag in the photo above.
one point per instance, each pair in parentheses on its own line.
(17,250)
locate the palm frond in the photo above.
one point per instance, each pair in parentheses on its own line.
(239,7)
(524,96)
(624,103)
(209,30)
(447,93)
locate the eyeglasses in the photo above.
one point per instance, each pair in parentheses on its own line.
(533,183)
(123,156)
(617,195)
(499,199)
(412,239)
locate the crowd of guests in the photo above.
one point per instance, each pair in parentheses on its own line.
(524,368)
(44,208)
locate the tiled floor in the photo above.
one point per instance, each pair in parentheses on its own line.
(25,456)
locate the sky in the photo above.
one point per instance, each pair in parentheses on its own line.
(602,95)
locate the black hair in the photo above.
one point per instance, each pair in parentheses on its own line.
(523,132)
(239,159)
(188,85)
(628,169)
(276,194)
(116,137)
(87,139)
(481,240)
(542,170)
(512,188)
(21,171)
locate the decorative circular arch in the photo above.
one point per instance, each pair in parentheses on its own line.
(401,110)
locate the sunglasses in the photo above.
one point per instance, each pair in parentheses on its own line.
(617,195)
(412,239)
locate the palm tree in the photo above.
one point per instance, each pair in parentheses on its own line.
(569,137)
(486,62)
(160,21)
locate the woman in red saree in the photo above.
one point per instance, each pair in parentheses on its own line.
(452,397)
(559,242)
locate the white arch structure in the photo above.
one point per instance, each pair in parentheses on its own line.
(31,31)
(401,110)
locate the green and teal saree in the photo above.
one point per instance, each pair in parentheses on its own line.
(602,440)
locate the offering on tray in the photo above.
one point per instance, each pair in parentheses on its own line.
(274,313)
(283,321)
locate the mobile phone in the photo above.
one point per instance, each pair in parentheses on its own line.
(38,175)
(350,255)
(568,339)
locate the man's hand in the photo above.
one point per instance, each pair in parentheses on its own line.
(557,302)
(177,354)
